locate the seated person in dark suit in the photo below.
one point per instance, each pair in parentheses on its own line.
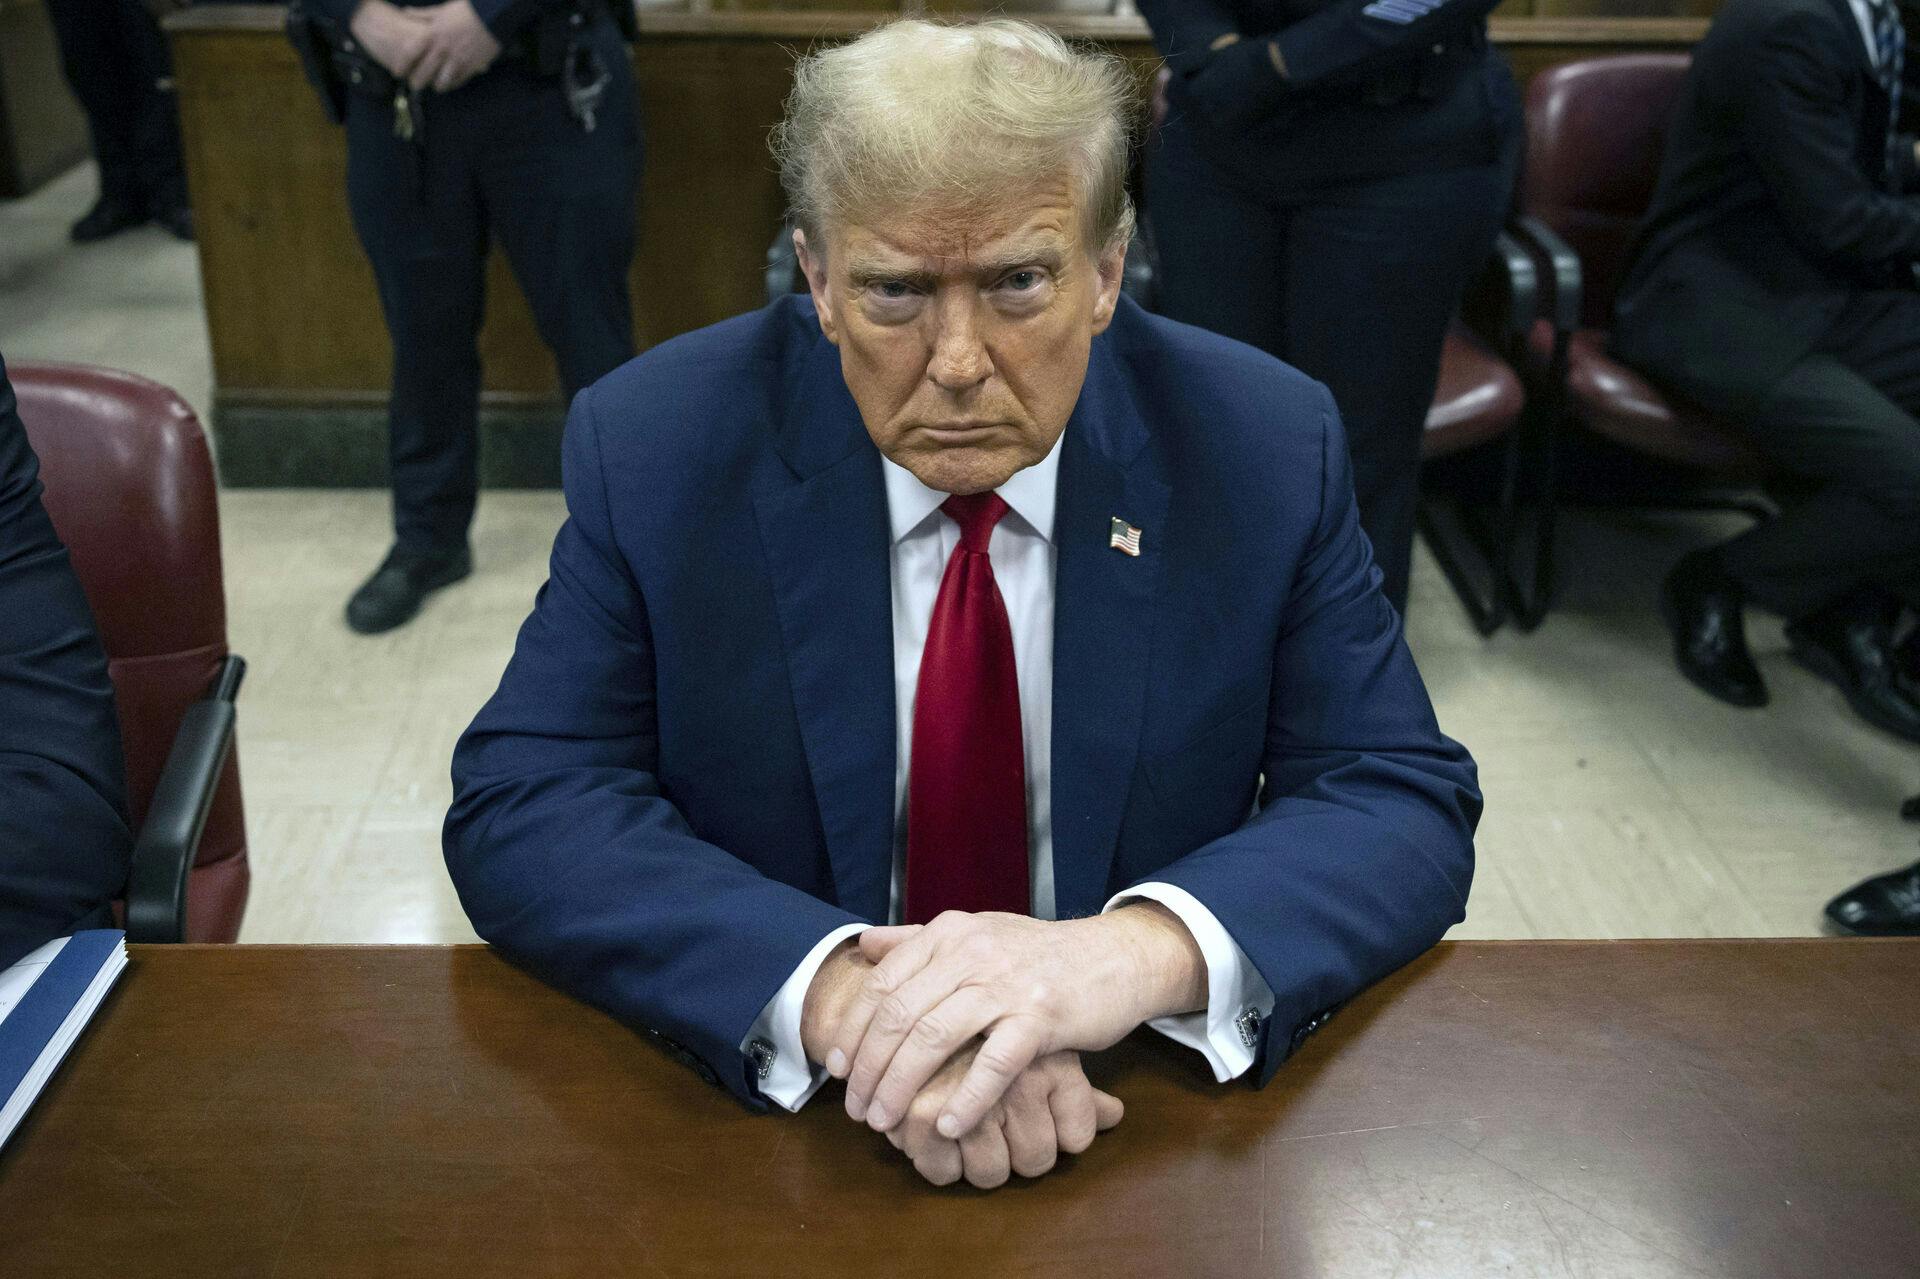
(964,597)
(1773,284)
(64,843)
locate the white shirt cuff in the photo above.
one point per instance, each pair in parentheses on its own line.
(786,1076)
(1226,1033)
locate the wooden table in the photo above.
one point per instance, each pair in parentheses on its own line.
(1535,1109)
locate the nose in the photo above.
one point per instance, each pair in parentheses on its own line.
(960,360)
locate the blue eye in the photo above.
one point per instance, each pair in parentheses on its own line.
(893,290)
(1023,281)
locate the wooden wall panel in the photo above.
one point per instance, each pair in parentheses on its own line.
(291,308)
(42,129)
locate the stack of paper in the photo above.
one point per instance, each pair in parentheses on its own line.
(45,1001)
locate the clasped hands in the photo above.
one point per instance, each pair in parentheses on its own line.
(960,1040)
(439,46)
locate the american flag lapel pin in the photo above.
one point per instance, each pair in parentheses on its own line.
(1124,537)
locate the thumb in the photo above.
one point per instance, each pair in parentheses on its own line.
(877,943)
(1107,1109)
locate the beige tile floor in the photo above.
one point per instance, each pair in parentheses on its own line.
(1620,802)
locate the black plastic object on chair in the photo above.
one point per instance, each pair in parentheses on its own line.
(168,840)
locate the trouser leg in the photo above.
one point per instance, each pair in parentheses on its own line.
(418,217)
(561,201)
(154,133)
(1374,272)
(1860,527)
(100,72)
(1218,250)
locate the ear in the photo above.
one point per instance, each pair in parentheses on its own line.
(1109,268)
(815,269)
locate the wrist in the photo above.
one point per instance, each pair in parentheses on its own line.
(1166,970)
(828,994)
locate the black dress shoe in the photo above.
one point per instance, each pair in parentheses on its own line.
(404,579)
(1701,606)
(109,215)
(176,220)
(1885,906)
(1856,654)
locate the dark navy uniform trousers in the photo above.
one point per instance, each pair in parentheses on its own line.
(500,158)
(1353,283)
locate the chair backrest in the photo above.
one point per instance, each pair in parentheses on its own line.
(130,489)
(1596,130)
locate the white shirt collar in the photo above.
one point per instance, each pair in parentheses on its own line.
(1029,492)
(1863,14)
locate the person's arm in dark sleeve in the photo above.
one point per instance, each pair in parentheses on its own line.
(1230,78)
(337,13)
(1354,37)
(1789,103)
(567,855)
(505,18)
(64,843)
(1361,853)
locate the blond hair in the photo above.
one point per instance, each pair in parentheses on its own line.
(920,117)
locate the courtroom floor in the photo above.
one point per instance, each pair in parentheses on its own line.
(1621,802)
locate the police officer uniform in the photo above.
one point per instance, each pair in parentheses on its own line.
(540,152)
(1329,177)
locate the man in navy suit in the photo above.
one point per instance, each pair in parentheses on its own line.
(943,675)
(64,843)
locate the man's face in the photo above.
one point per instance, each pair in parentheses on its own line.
(964,337)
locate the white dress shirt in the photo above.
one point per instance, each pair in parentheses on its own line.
(1863,14)
(1021,551)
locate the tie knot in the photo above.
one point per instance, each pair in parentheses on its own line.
(976,514)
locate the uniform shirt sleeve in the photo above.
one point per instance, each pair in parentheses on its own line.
(787,1078)
(505,18)
(1239,1000)
(1355,36)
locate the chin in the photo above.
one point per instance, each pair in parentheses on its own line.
(963,471)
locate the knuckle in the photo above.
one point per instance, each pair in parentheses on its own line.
(931,1031)
(999,1059)
(1036,1165)
(892,1016)
(989,1178)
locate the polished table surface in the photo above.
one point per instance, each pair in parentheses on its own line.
(1499,1108)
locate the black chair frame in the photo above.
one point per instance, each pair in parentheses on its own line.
(169,839)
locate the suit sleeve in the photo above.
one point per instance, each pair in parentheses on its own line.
(1361,852)
(64,843)
(567,855)
(1790,106)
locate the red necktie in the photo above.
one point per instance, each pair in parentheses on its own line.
(967,782)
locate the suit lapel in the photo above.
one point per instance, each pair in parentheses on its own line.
(1102,631)
(823,527)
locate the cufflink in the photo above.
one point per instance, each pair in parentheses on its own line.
(1248,1024)
(761,1054)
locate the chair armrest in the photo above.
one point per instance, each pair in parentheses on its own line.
(1505,301)
(783,265)
(1563,284)
(170,837)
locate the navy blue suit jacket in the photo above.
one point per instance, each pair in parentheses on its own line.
(64,843)
(686,778)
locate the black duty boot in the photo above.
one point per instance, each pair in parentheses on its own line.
(397,588)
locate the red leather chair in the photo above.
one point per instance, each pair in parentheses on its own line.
(1596,130)
(130,489)
(1477,400)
